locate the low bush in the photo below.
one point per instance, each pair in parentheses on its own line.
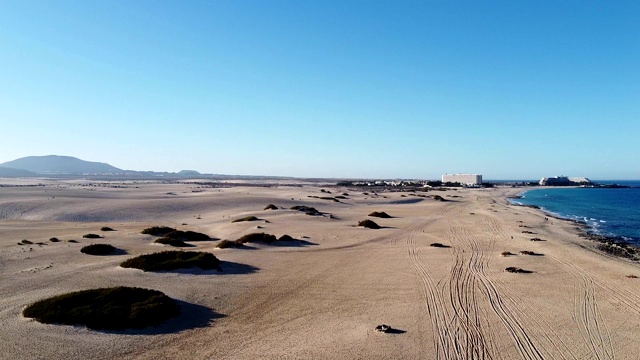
(54,239)
(229,244)
(527,252)
(247,218)
(116,308)
(512,269)
(271,207)
(98,249)
(106,228)
(257,237)
(187,235)
(507,253)
(306,209)
(286,237)
(380,214)
(369,224)
(92,236)
(158,230)
(172,260)
(172,242)
(26,242)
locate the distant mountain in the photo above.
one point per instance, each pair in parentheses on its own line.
(54,164)
(188,173)
(12,173)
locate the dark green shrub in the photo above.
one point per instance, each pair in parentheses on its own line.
(116,308)
(247,218)
(380,214)
(271,207)
(172,260)
(172,242)
(26,242)
(98,249)
(257,237)
(187,235)
(229,244)
(106,228)
(307,210)
(286,237)
(369,224)
(54,239)
(91,236)
(158,230)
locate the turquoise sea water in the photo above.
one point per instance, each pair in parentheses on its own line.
(611,212)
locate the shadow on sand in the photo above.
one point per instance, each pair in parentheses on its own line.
(192,316)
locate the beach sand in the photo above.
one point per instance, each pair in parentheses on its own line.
(321,297)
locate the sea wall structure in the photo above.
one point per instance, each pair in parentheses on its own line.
(465,179)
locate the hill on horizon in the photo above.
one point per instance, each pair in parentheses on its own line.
(55,164)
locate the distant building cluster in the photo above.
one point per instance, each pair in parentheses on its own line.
(464,179)
(564,181)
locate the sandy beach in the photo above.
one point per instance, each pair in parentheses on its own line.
(321,297)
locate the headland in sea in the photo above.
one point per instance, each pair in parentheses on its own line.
(322,295)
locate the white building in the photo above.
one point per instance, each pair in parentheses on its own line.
(465,179)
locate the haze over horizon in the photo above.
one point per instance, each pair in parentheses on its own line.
(510,90)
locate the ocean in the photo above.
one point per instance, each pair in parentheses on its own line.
(610,212)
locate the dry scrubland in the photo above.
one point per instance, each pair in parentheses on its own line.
(322,293)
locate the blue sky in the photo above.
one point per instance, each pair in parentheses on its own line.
(391,89)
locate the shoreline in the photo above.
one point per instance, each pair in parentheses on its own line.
(615,245)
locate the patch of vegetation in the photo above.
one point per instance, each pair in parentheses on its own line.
(271,207)
(172,242)
(513,269)
(380,214)
(307,210)
(115,308)
(72,241)
(158,230)
(187,235)
(92,236)
(106,228)
(54,239)
(369,224)
(257,237)
(224,244)
(286,237)
(527,252)
(26,242)
(536,239)
(507,253)
(98,249)
(172,260)
(247,218)
(438,198)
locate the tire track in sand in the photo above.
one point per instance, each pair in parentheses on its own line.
(586,313)
(434,305)
(478,265)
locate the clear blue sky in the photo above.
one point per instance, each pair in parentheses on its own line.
(392,89)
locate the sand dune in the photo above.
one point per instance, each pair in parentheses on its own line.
(324,298)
